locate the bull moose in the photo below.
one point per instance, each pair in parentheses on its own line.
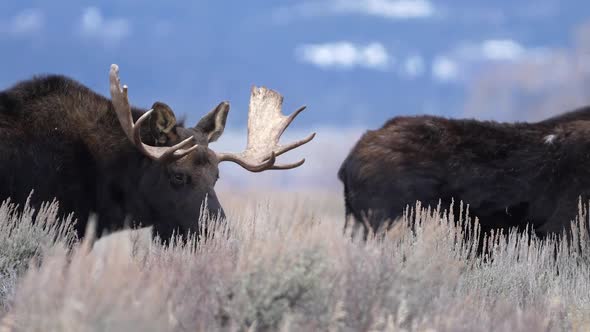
(510,174)
(122,163)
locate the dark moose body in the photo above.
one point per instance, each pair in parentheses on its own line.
(510,174)
(66,142)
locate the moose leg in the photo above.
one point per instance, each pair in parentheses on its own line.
(564,213)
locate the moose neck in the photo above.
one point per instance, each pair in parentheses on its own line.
(116,191)
(119,202)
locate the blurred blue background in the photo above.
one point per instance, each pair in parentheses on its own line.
(355,63)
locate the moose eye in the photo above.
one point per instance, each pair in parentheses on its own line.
(179,178)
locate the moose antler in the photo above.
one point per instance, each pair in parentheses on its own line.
(132,130)
(266,124)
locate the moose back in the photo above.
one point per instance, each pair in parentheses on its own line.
(510,174)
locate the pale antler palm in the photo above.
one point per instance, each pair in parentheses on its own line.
(266,124)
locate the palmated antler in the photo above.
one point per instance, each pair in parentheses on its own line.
(132,130)
(266,124)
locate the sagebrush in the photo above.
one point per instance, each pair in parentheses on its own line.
(25,235)
(284,263)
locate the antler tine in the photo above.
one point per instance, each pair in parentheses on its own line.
(286,148)
(289,166)
(120,101)
(255,168)
(291,118)
(121,105)
(289,147)
(266,124)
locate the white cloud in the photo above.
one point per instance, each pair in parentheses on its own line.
(414,66)
(444,69)
(394,9)
(502,49)
(463,61)
(491,50)
(389,9)
(345,55)
(109,31)
(541,84)
(25,23)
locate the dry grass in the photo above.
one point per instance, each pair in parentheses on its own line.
(284,264)
(21,241)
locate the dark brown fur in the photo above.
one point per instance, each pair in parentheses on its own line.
(510,174)
(62,140)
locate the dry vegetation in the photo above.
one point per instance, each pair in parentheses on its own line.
(284,264)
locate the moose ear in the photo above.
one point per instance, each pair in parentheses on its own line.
(213,123)
(162,122)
